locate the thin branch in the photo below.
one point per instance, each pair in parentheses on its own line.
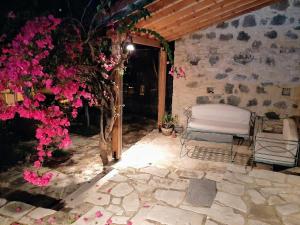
(84,11)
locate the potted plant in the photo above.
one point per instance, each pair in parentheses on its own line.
(167,124)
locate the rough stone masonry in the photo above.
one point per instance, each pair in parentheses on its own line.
(246,62)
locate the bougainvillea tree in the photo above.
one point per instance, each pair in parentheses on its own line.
(56,64)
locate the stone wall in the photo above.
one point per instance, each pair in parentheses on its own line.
(252,61)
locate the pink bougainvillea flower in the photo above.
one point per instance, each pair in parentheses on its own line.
(99,214)
(146,205)
(37,164)
(18,209)
(11,15)
(109,190)
(51,219)
(129,222)
(85,219)
(109,221)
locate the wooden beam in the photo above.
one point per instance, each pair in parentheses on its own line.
(117,129)
(219,17)
(168,10)
(145,41)
(161,86)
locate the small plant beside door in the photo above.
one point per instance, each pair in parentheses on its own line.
(167,126)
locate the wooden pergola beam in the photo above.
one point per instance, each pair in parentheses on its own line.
(174,33)
(158,5)
(145,41)
(162,79)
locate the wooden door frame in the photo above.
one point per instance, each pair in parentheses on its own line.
(117,129)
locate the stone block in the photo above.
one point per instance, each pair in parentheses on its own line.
(278,20)
(249,21)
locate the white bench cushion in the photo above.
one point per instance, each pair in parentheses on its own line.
(225,127)
(221,112)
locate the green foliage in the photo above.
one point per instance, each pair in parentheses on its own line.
(168,121)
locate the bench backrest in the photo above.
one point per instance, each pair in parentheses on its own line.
(221,112)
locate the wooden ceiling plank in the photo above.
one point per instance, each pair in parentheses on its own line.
(198,13)
(186,13)
(219,18)
(158,5)
(212,12)
(166,11)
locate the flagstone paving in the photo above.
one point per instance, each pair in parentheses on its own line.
(149,187)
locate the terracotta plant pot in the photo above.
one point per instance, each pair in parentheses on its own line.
(166,131)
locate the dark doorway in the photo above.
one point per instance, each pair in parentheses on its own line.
(140,93)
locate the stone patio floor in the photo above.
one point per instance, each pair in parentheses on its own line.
(149,187)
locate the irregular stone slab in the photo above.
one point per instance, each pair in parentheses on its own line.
(191,174)
(179,184)
(2,201)
(291,179)
(290,198)
(262,182)
(256,197)
(173,198)
(107,187)
(232,201)
(214,176)
(15,209)
(201,192)
(131,202)
(244,178)
(225,215)
(275,200)
(160,172)
(6,221)
(98,199)
(291,219)
(121,190)
(264,213)
(116,201)
(209,222)
(159,182)
(39,213)
(115,209)
(90,217)
(236,189)
(256,222)
(120,219)
(143,188)
(174,216)
(236,168)
(275,191)
(287,209)
(118,178)
(140,217)
(268,175)
(144,178)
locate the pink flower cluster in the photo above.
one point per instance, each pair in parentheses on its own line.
(177,72)
(35,179)
(108,63)
(23,70)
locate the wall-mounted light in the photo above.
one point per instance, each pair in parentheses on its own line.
(130,47)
